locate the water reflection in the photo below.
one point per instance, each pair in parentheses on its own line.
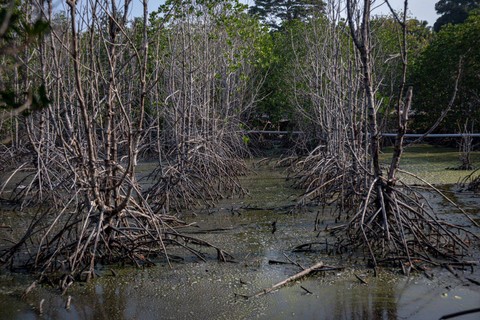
(374,301)
(104,300)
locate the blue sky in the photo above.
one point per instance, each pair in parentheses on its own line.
(420,9)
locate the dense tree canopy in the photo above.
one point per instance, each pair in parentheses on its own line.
(388,62)
(436,71)
(453,11)
(275,12)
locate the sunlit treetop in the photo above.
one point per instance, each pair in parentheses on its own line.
(275,13)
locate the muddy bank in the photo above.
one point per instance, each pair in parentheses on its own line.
(211,290)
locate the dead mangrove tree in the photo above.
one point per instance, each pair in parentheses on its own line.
(84,149)
(389,221)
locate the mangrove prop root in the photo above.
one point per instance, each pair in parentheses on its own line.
(461,313)
(389,221)
(398,223)
(360,279)
(473,281)
(306,290)
(211,174)
(71,242)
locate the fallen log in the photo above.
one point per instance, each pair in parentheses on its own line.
(290,279)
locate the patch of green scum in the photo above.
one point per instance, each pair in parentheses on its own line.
(268,187)
(431,163)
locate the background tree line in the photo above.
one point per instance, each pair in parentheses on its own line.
(433,60)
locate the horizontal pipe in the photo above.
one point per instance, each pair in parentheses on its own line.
(274,132)
(407,135)
(433,135)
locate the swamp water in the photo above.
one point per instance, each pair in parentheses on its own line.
(212,290)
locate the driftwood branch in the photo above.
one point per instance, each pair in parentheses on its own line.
(290,279)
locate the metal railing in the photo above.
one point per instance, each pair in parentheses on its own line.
(407,135)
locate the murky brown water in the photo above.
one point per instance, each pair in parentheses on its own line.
(199,290)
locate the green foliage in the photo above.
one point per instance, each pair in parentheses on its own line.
(436,71)
(277,89)
(255,45)
(245,139)
(38,99)
(234,45)
(387,37)
(453,11)
(17,33)
(275,13)
(244,32)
